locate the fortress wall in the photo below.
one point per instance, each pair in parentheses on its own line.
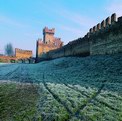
(104,38)
(20,54)
(82,47)
(79,47)
(55,53)
(107,40)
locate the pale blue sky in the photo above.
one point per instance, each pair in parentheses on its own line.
(22,21)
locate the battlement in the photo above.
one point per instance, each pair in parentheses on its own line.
(49,31)
(107,37)
(22,51)
(104,24)
(20,54)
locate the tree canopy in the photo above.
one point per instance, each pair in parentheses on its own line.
(9,49)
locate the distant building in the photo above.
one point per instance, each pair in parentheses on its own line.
(23,54)
(7,59)
(48,43)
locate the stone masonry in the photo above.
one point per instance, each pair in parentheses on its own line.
(48,43)
(103,38)
(22,54)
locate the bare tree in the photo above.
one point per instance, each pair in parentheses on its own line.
(9,49)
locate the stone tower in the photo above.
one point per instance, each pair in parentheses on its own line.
(49,42)
(48,35)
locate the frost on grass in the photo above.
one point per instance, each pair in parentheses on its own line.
(69,88)
(48,107)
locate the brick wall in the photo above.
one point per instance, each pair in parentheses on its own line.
(7,59)
(21,54)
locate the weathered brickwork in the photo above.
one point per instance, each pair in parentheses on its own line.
(79,47)
(7,59)
(22,54)
(49,42)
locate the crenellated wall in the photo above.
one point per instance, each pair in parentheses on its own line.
(104,38)
(79,47)
(21,54)
(107,39)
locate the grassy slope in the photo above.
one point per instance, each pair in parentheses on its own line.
(74,88)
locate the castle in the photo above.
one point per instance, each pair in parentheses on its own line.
(48,43)
(104,38)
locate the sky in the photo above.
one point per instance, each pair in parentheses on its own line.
(22,21)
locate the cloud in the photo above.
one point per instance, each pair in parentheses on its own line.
(70,29)
(9,21)
(76,18)
(72,22)
(115,7)
(31,34)
(71,33)
(78,24)
(70,17)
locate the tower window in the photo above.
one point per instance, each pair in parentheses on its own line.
(55,44)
